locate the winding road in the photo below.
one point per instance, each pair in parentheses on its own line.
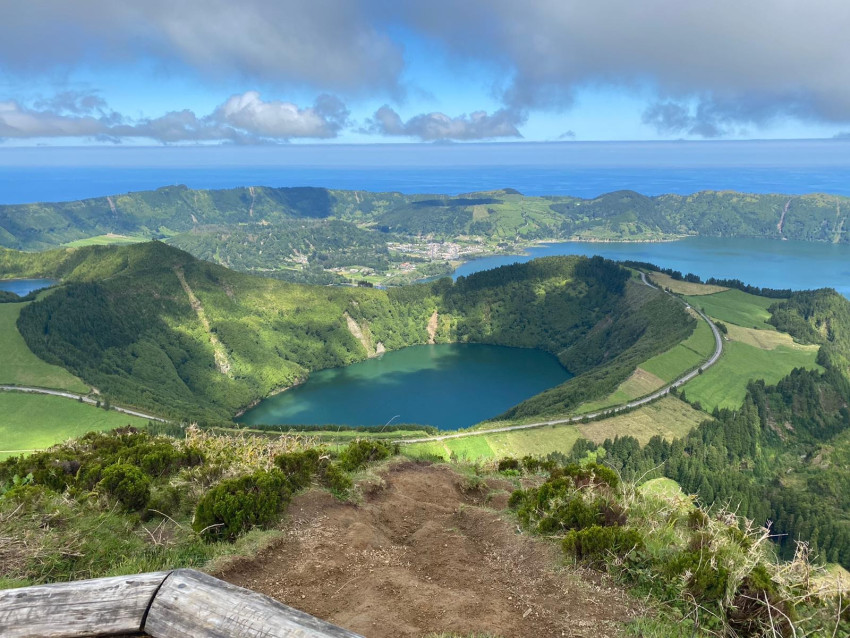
(718,340)
(78,397)
(718,350)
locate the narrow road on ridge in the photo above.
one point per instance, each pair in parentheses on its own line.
(78,397)
(718,350)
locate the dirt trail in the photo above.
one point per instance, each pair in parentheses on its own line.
(419,556)
(781,223)
(432,327)
(222,361)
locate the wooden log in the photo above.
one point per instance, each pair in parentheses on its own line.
(191,603)
(98,607)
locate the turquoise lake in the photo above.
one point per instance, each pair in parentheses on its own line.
(23,287)
(761,262)
(449,386)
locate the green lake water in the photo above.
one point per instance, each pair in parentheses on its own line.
(449,386)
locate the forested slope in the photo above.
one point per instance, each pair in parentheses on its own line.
(151,326)
(782,457)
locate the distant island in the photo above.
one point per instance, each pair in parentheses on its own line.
(321,236)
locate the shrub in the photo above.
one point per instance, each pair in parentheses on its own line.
(361,453)
(236,505)
(530,464)
(595,543)
(508,463)
(299,467)
(335,479)
(128,484)
(704,578)
(164,500)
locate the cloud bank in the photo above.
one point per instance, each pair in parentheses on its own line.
(244,118)
(705,68)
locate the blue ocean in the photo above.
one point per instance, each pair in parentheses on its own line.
(583,169)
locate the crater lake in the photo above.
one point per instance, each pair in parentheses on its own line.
(449,386)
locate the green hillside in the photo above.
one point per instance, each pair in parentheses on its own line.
(314,235)
(153,327)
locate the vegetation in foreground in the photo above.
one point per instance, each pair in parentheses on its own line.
(128,501)
(714,573)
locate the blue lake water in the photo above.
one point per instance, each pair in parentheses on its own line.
(761,262)
(450,386)
(23,287)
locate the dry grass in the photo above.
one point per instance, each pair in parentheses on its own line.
(764,339)
(684,287)
(668,417)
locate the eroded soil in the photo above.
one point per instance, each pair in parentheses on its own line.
(424,554)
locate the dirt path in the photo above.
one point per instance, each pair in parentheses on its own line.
(421,556)
(222,361)
(781,224)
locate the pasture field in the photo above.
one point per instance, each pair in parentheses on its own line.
(694,350)
(638,385)
(668,417)
(724,384)
(684,287)
(735,306)
(110,239)
(21,367)
(36,421)
(765,339)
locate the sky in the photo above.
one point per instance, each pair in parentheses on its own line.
(210,72)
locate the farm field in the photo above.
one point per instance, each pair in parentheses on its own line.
(684,287)
(109,239)
(30,422)
(668,417)
(724,385)
(735,306)
(21,366)
(670,365)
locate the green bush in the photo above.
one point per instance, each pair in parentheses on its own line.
(237,505)
(165,500)
(361,453)
(335,479)
(508,463)
(589,474)
(128,484)
(595,543)
(706,581)
(299,467)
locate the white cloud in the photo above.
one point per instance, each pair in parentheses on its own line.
(242,118)
(438,126)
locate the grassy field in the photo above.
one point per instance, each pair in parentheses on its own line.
(684,287)
(725,383)
(109,239)
(670,365)
(734,306)
(21,367)
(765,339)
(31,422)
(668,417)
(638,385)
